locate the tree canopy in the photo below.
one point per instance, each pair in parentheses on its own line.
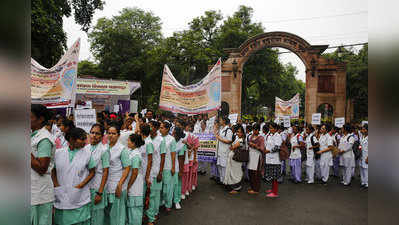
(48,39)
(130,46)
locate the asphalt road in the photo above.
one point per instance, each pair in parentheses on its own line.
(301,204)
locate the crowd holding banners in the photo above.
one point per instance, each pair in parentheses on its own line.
(128,181)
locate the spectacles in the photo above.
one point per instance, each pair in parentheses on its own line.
(95,133)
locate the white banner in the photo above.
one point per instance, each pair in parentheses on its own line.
(56,87)
(202,97)
(316,118)
(339,122)
(85,118)
(287,108)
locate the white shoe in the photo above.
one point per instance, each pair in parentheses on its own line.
(193,188)
(177,205)
(183,196)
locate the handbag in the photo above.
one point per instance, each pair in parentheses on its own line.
(284,153)
(241,155)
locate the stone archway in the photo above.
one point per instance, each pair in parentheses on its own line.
(325,79)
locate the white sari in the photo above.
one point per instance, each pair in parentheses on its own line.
(233,168)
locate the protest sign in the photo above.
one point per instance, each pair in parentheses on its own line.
(134,106)
(207,149)
(233,118)
(116,108)
(286,121)
(316,118)
(339,122)
(85,118)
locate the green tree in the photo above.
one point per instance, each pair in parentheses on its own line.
(48,39)
(86,67)
(127,47)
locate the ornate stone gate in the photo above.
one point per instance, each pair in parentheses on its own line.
(325,79)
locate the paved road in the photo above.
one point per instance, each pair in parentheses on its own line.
(298,204)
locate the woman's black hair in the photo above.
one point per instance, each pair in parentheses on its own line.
(101,127)
(347,128)
(256,126)
(366,126)
(75,133)
(68,124)
(226,120)
(116,126)
(137,140)
(265,127)
(155,124)
(167,124)
(179,134)
(328,127)
(274,125)
(40,111)
(310,127)
(239,127)
(145,129)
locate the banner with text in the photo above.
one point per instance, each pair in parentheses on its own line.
(202,97)
(287,108)
(207,149)
(106,87)
(56,87)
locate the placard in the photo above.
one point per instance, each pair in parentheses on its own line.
(85,118)
(339,122)
(286,121)
(316,118)
(207,149)
(134,106)
(233,118)
(116,108)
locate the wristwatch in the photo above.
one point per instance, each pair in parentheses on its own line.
(98,193)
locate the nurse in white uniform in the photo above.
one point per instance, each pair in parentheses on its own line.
(225,137)
(311,143)
(135,182)
(74,167)
(326,145)
(347,159)
(42,161)
(364,160)
(115,212)
(101,156)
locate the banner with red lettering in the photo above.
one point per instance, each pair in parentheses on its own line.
(56,87)
(202,97)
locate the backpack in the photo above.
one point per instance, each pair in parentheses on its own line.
(302,149)
(355,148)
(317,156)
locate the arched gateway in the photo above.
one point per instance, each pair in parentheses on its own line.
(325,79)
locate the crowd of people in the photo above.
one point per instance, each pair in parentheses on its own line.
(129,166)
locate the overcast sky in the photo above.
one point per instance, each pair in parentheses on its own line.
(317,21)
